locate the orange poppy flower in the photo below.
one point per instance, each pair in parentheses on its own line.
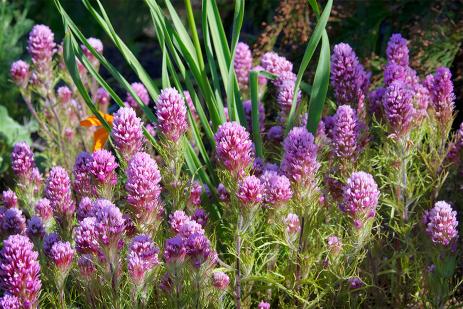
(101,134)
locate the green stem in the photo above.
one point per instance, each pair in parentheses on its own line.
(194,33)
(238,266)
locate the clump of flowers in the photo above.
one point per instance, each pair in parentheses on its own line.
(141,258)
(171,112)
(127,132)
(242,64)
(441,223)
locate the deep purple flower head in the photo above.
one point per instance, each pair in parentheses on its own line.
(20,269)
(441,223)
(394,72)
(142,257)
(177,219)
(19,72)
(174,250)
(284,77)
(293,225)
(13,222)
(102,97)
(276,134)
(41,45)
(247,106)
(103,167)
(355,283)
(171,112)
(22,160)
(277,188)
(262,80)
(200,216)
(64,94)
(233,147)
(285,96)
(375,99)
(141,92)
(242,64)
(196,189)
(250,190)
(62,254)
(299,161)
(142,184)
(35,229)
(9,199)
(86,266)
(110,224)
(397,50)
(198,249)
(440,87)
(58,192)
(334,244)
(263,305)
(220,280)
(127,132)
(360,196)
(349,79)
(223,193)
(8,301)
(346,133)
(86,237)
(398,108)
(43,209)
(85,208)
(48,241)
(275,64)
(82,183)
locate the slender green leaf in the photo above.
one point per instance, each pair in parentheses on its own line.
(254,86)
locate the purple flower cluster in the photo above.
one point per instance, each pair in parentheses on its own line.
(142,184)
(35,229)
(103,167)
(441,223)
(13,222)
(198,249)
(171,112)
(299,161)
(174,250)
(196,190)
(82,183)
(397,50)
(142,257)
(109,225)
(141,92)
(41,45)
(242,64)
(440,87)
(349,79)
(9,301)
(22,160)
(19,73)
(102,97)
(9,199)
(275,64)
(220,280)
(293,226)
(20,270)
(398,108)
(43,209)
(127,132)
(86,266)
(277,189)
(233,147)
(250,191)
(286,94)
(85,236)
(58,192)
(346,133)
(263,305)
(360,197)
(62,254)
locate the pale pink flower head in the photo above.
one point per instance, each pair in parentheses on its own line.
(360,197)
(263,305)
(196,190)
(299,161)
(44,210)
(171,112)
(141,92)
(8,301)
(103,167)
(97,45)
(242,64)
(127,133)
(293,226)
(41,45)
(64,94)
(250,191)
(277,188)
(142,257)
(62,254)
(234,148)
(9,199)
(275,64)
(220,280)
(20,270)
(143,178)
(20,73)
(177,219)
(441,223)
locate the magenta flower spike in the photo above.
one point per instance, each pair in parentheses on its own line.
(277,188)
(41,45)
(58,192)
(250,191)
(441,223)
(22,161)
(103,168)
(20,73)
(82,177)
(142,257)
(62,255)
(440,87)
(346,133)
(9,199)
(275,64)
(44,210)
(397,50)
(171,112)
(127,132)
(242,64)
(141,92)
(220,280)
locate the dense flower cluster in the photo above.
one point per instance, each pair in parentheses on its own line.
(345,140)
(397,50)
(141,258)
(22,160)
(250,190)
(141,92)
(58,192)
(127,132)
(242,64)
(9,199)
(440,87)
(103,167)
(441,223)
(398,108)
(171,112)
(41,45)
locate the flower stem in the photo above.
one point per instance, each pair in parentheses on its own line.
(238,266)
